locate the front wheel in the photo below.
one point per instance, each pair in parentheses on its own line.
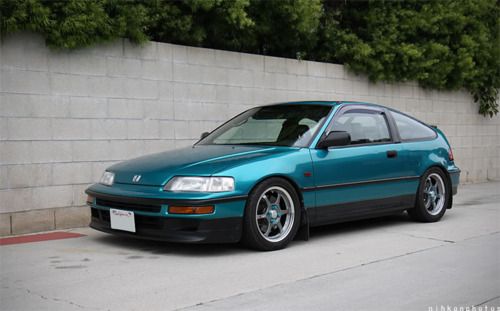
(433,197)
(272,215)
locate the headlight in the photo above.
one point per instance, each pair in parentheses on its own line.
(200,184)
(107,178)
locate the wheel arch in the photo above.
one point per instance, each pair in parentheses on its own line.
(448,179)
(302,229)
(304,219)
(443,169)
(288,179)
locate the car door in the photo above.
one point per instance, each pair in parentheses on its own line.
(363,178)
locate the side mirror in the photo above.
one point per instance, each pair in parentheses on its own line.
(335,138)
(204,134)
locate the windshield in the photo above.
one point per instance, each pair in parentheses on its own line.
(279,125)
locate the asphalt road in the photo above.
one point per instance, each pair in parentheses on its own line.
(390,263)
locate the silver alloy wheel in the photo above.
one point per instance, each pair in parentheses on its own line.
(275,214)
(434,194)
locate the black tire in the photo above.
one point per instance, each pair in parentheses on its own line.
(424,213)
(253,236)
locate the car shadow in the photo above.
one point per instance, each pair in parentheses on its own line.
(169,248)
(359,225)
(160,248)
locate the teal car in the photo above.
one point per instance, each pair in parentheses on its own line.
(272,172)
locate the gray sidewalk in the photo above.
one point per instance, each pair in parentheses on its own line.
(390,263)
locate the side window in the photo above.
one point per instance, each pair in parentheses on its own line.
(364,127)
(410,129)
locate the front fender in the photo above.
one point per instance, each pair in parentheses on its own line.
(293,165)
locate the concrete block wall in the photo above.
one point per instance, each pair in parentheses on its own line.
(66,116)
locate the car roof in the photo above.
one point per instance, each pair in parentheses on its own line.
(333,103)
(327,103)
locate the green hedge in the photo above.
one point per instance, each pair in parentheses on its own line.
(444,45)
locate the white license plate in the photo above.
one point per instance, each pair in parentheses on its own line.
(122,220)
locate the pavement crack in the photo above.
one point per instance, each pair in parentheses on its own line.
(447,243)
(43,297)
(200,304)
(425,237)
(443,240)
(486,301)
(480,236)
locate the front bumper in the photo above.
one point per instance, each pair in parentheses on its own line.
(222,230)
(153,222)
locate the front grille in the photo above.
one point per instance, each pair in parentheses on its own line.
(154,223)
(151,222)
(129,206)
(94,212)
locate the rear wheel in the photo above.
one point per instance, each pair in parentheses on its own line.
(433,197)
(272,215)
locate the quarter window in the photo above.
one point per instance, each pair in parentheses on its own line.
(410,129)
(364,127)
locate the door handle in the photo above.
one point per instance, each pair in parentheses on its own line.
(392,153)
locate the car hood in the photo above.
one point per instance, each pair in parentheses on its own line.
(200,160)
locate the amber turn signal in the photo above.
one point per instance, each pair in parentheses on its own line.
(191,209)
